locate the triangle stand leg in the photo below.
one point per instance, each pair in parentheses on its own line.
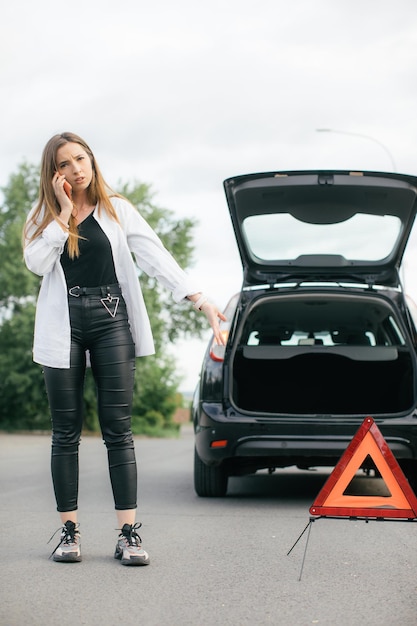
(308,527)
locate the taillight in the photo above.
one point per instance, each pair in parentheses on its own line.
(218,443)
(217,350)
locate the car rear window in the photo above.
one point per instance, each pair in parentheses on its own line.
(314,320)
(282,236)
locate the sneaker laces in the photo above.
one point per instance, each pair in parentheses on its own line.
(68,532)
(129,533)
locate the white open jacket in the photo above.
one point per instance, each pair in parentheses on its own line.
(52,338)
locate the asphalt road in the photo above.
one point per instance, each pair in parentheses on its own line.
(213,561)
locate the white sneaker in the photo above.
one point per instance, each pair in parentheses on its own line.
(69,548)
(129,547)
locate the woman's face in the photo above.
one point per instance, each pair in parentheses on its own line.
(74,163)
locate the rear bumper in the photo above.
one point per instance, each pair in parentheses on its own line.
(281,442)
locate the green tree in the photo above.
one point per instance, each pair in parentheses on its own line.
(19,195)
(22,391)
(24,402)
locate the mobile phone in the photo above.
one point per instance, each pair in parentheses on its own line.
(67,189)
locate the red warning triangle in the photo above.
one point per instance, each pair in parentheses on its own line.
(335,502)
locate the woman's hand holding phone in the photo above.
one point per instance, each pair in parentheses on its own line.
(63,193)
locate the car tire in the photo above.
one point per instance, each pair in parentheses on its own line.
(210,481)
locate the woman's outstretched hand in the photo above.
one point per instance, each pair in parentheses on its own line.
(214,316)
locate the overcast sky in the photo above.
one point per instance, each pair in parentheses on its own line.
(182,94)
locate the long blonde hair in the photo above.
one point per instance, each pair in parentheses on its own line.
(48,209)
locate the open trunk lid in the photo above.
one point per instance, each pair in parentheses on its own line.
(322,225)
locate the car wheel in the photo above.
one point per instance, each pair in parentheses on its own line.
(209,480)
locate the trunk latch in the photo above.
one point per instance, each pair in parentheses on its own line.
(326,179)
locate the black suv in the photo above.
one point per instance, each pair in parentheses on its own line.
(321,334)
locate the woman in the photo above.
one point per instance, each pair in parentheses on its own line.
(80,238)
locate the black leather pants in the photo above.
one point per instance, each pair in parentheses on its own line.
(112,355)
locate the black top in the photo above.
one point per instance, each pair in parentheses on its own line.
(94,267)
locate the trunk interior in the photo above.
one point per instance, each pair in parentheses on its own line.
(322,354)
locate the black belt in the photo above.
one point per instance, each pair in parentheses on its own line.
(105,290)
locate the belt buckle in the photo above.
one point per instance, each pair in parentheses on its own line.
(75,295)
